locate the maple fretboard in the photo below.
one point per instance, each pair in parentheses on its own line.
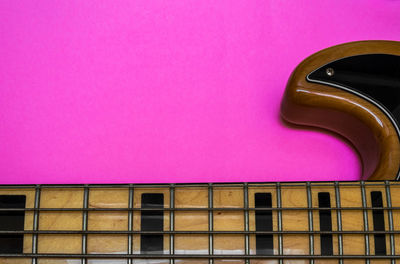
(201,223)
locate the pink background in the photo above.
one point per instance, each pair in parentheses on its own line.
(168,91)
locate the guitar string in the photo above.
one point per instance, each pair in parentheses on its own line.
(188,209)
(216,185)
(389,208)
(199,256)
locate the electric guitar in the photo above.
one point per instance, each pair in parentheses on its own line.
(352,89)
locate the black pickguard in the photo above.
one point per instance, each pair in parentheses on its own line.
(374,76)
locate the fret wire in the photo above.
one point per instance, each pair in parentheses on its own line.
(35,237)
(246,221)
(390,216)
(310,221)
(130,223)
(365,209)
(171,222)
(210,223)
(339,220)
(85,223)
(279,205)
(365,220)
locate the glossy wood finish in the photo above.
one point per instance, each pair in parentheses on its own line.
(363,124)
(224,196)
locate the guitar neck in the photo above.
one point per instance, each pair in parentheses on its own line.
(200,222)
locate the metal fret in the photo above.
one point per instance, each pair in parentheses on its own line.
(130,257)
(130,223)
(390,218)
(246,222)
(35,237)
(85,223)
(210,224)
(365,220)
(339,220)
(171,222)
(310,221)
(279,206)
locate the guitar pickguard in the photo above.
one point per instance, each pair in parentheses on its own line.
(375,77)
(352,89)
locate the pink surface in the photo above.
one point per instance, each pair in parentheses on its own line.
(168,91)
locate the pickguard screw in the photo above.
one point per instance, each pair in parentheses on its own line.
(330,72)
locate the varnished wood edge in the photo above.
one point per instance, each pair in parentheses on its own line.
(368,128)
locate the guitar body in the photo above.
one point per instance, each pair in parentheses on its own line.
(359,117)
(324,222)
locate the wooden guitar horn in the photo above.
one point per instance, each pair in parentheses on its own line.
(352,89)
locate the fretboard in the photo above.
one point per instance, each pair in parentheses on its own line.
(201,223)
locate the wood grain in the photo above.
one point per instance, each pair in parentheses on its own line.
(363,124)
(231,196)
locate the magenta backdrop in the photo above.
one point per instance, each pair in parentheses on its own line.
(168,91)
